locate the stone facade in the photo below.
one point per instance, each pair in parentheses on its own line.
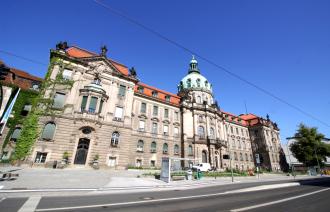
(108,114)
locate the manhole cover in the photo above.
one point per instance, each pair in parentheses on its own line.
(146,198)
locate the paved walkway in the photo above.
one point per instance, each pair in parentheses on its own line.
(85,178)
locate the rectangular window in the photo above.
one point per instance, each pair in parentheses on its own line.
(176,131)
(67,74)
(176,116)
(83,103)
(101,106)
(155,111)
(140,89)
(92,105)
(237,131)
(138,163)
(242,132)
(231,130)
(141,125)
(143,108)
(119,113)
(166,113)
(122,90)
(154,128)
(165,130)
(167,98)
(41,157)
(152,163)
(59,100)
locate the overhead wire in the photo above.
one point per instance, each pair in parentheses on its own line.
(186,49)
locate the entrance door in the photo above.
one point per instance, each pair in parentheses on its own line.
(112,161)
(82,151)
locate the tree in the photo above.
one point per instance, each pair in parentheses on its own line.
(309,148)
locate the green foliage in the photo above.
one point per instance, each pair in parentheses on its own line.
(65,155)
(309,146)
(41,106)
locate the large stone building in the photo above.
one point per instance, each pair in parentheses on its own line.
(109,114)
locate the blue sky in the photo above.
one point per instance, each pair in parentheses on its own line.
(282,46)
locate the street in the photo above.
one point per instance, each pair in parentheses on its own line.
(308,196)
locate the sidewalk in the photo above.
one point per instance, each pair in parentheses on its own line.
(85,178)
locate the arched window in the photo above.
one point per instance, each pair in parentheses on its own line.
(153,147)
(206,83)
(235,155)
(176,149)
(139,147)
(165,148)
(198,82)
(16,134)
(115,139)
(190,150)
(49,131)
(212,132)
(86,130)
(199,99)
(201,132)
(189,83)
(241,156)
(246,157)
(204,156)
(200,118)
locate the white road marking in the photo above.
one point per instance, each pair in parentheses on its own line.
(278,201)
(31,204)
(265,187)
(154,200)
(2,199)
(1,186)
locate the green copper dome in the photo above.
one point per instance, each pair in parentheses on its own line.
(194,80)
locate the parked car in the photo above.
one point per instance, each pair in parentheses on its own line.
(203,167)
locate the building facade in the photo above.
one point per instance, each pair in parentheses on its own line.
(108,114)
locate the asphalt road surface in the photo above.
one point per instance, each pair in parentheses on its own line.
(311,195)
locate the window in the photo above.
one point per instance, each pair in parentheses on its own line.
(154,128)
(165,129)
(199,100)
(86,130)
(237,131)
(200,118)
(189,83)
(242,133)
(26,109)
(122,90)
(139,147)
(231,130)
(141,125)
(167,98)
(83,103)
(201,132)
(166,113)
(176,116)
(49,131)
(115,139)
(204,156)
(239,145)
(153,147)
(212,132)
(176,149)
(67,74)
(256,132)
(97,81)
(16,134)
(155,111)
(234,143)
(243,145)
(59,100)
(143,108)
(165,148)
(138,163)
(176,131)
(118,113)
(152,163)
(5,155)
(251,158)
(154,94)
(246,157)
(206,83)
(140,89)
(235,155)
(101,106)
(190,150)
(41,157)
(92,105)
(198,82)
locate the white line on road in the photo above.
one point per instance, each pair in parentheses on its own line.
(1,186)
(153,200)
(31,204)
(2,199)
(265,187)
(278,201)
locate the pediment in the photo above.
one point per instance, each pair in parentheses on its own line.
(142,116)
(155,119)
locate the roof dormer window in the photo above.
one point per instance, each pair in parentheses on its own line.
(198,81)
(140,89)
(155,94)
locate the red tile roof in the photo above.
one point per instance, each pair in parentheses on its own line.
(78,52)
(147,90)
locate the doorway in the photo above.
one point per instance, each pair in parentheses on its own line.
(82,151)
(112,161)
